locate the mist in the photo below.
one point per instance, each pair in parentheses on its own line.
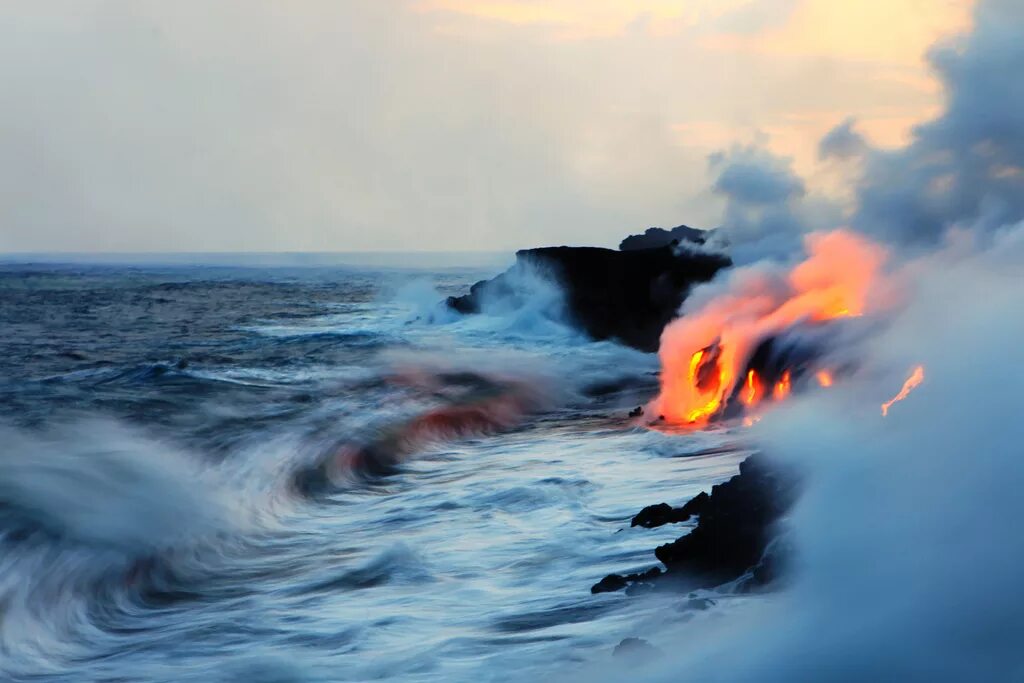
(961,169)
(906,551)
(364,125)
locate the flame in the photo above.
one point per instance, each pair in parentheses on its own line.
(836,280)
(752,394)
(782,387)
(824,378)
(915,379)
(694,365)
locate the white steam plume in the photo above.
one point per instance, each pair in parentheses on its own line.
(907,545)
(962,169)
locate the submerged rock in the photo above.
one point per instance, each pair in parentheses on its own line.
(697,605)
(616,582)
(663,513)
(636,648)
(628,296)
(732,535)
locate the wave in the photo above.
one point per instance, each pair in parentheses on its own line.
(91,517)
(98,483)
(473,404)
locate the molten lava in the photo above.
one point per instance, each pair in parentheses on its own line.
(706,353)
(694,365)
(782,387)
(915,379)
(752,393)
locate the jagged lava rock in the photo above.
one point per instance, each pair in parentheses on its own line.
(735,525)
(663,513)
(628,296)
(734,529)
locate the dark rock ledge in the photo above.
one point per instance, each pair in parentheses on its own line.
(628,296)
(734,530)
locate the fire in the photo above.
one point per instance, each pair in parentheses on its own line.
(752,393)
(705,353)
(782,387)
(915,379)
(694,365)
(824,378)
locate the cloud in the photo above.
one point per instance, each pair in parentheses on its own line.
(753,177)
(767,208)
(248,125)
(755,17)
(965,167)
(594,19)
(880,31)
(842,142)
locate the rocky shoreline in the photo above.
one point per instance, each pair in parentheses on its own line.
(628,296)
(736,526)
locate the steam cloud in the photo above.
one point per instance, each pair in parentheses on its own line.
(963,169)
(966,167)
(907,552)
(767,208)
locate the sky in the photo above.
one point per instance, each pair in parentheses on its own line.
(434,125)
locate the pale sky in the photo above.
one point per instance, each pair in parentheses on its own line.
(350,125)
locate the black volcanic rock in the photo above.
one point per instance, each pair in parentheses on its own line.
(731,537)
(609,584)
(616,582)
(663,513)
(652,238)
(636,649)
(625,295)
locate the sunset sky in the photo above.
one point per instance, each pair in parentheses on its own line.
(428,124)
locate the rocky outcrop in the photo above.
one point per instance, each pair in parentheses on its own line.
(663,513)
(628,296)
(652,238)
(734,530)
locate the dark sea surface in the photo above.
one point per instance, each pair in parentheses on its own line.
(314,473)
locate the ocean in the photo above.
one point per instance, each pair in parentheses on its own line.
(315,473)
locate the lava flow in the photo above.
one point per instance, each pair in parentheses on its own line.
(915,379)
(713,358)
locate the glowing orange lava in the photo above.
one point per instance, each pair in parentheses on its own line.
(782,387)
(915,379)
(752,394)
(705,352)
(694,365)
